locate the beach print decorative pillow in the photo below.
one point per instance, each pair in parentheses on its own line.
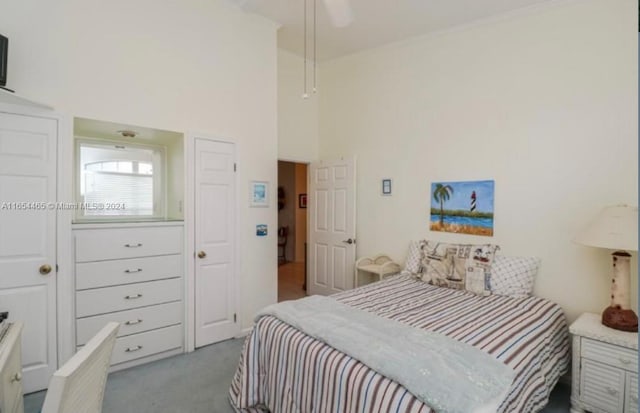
(458,266)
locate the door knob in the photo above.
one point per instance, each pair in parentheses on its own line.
(45,269)
(202,254)
(349,241)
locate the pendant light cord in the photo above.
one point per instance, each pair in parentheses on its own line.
(304,19)
(315,44)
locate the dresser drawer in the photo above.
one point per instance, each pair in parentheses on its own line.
(610,354)
(602,386)
(134,270)
(131,321)
(116,243)
(631,394)
(146,344)
(125,297)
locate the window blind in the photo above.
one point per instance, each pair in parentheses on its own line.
(133,192)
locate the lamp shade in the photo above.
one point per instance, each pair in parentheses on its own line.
(615,227)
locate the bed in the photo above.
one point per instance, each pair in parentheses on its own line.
(284,370)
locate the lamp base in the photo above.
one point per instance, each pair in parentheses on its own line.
(619,319)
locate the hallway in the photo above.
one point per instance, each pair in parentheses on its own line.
(290,281)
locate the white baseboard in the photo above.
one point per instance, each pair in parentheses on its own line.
(244,332)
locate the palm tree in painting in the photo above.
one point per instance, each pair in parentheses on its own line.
(441,194)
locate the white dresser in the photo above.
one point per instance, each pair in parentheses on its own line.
(605,368)
(11,371)
(131,274)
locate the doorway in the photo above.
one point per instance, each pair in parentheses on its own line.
(292,230)
(332,226)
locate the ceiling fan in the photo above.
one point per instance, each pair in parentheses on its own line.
(340,12)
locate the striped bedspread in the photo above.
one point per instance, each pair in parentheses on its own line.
(283,370)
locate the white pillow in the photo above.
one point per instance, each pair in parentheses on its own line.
(413,264)
(514,276)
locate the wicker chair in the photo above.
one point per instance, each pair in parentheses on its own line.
(78,387)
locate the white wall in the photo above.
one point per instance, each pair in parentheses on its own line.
(544,102)
(188,65)
(297,117)
(175,179)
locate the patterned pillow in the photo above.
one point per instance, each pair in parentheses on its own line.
(514,276)
(458,266)
(414,259)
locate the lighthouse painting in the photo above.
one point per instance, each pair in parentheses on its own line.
(462,207)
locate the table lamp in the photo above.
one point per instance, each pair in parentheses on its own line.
(616,228)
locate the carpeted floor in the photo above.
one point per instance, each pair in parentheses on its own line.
(194,383)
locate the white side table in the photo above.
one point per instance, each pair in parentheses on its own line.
(605,368)
(11,370)
(378,267)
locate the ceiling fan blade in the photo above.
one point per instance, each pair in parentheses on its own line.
(340,12)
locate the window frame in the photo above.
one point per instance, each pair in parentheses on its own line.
(159,164)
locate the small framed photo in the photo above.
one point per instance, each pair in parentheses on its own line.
(302,201)
(261,230)
(386,186)
(259,194)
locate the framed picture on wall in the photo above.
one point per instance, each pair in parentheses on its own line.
(259,194)
(464,207)
(302,201)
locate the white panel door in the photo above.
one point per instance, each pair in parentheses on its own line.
(332,222)
(215,195)
(27,239)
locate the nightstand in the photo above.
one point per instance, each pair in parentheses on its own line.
(376,267)
(605,368)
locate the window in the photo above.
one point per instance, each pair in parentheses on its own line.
(119,180)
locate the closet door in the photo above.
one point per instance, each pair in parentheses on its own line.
(27,239)
(215,231)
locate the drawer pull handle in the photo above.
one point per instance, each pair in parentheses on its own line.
(133,245)
(16,378)
(132,297)
(624,361)
(132,349)
(611,391)
(133,322)
(133,271)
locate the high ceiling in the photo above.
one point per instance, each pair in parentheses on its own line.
(376,22)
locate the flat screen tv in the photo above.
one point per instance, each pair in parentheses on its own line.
(4,53)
